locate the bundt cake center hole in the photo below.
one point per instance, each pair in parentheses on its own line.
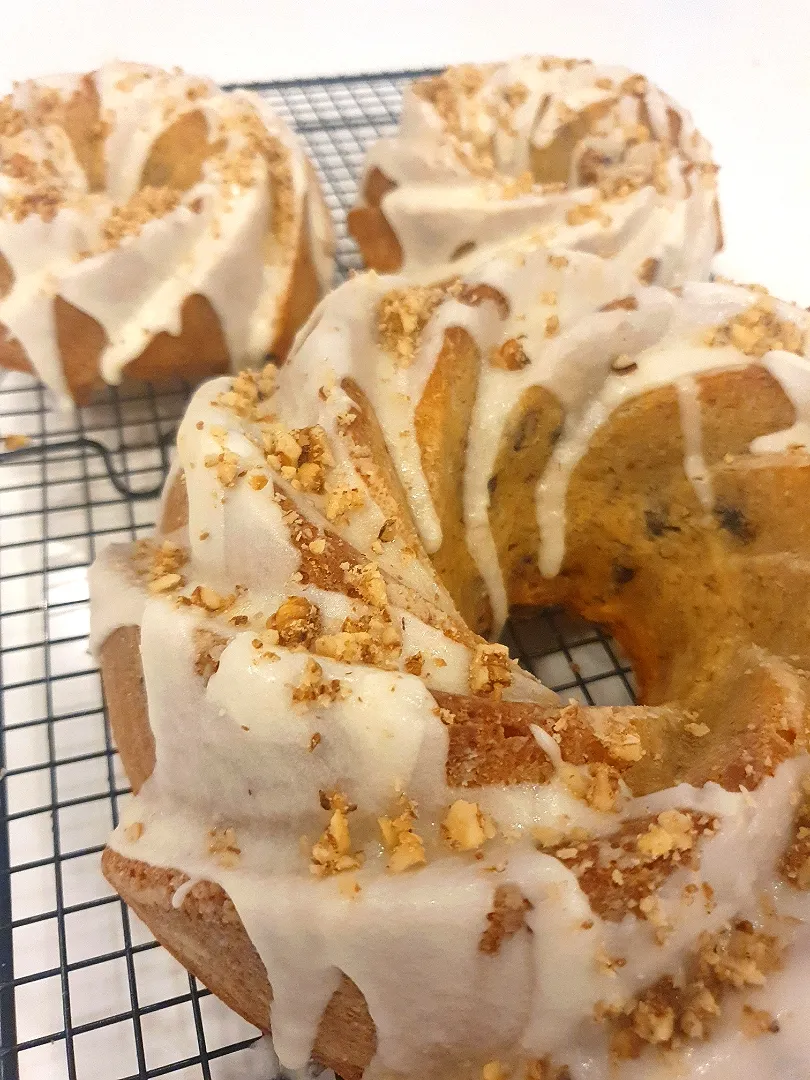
(572,656)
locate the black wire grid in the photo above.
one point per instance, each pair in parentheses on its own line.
(85,992)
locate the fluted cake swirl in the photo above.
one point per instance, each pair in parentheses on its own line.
(579,154)
(346,795)
(151,225)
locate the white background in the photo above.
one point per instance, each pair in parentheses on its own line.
(741,66)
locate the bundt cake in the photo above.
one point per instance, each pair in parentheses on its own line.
(346,795)
(584,156)
(151,225)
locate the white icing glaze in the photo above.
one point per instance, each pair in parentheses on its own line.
(450,181)
(215,243)
(238,749)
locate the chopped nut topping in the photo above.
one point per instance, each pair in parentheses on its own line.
(134,832)
(583,212)
(756,331)
(699,731)
(466,827)
(369,639)
(756,1022)
(297,622)
(552,325)
(300,455)
(128,219)
(222,844)
(226,466)
(509,356)
(332,853)
(623,364)
(165,583)
(367,583)
(406,847)
(342,500)
(315,690)
(795,862)
(414,664)
(621,303)
(402,316)
(494,1070)
(667,1013)
(517,185)
(739,955)
(15,442)
(210,647)
(160,565)
(647,270)
(490,670)
(205,597)
(673,831)
(509,907)
(559,262)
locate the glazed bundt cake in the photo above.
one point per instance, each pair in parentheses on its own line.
(583,155)
(151,225)
(360,823)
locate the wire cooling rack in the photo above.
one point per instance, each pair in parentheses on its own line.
(85,992)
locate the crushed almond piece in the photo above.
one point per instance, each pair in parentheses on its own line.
(552,325)
(465,827)
(490,670)
(134,832)
(559,262)
(698,730)
(314,741)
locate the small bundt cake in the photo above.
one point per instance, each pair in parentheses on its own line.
(345,795)
(585,156)
(151,225)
